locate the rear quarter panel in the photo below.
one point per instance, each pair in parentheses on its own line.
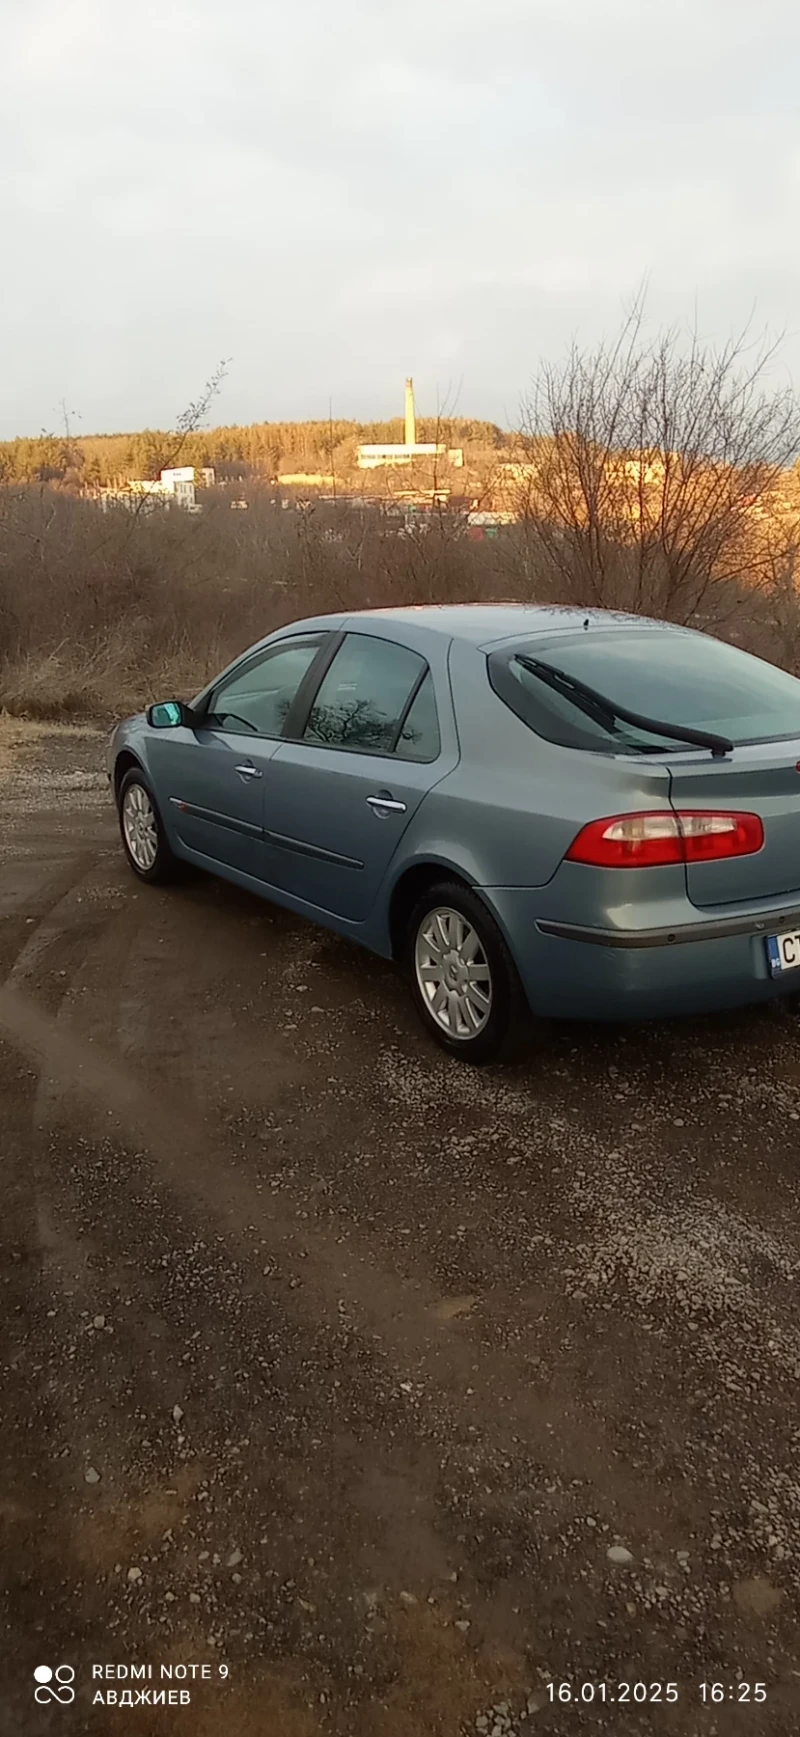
(504,818)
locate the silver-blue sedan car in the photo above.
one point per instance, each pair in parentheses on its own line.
(541,811)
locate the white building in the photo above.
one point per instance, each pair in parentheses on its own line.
(405,452)
(175,487)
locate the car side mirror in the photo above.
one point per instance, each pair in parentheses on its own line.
(169,714)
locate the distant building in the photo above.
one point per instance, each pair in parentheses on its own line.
(371,457)
(312,479)
(486,524)
(181,474)
(175,487)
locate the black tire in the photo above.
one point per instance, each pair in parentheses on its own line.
(165,866)
(503,1031)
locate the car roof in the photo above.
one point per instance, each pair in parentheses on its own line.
(486,624)
(482,624)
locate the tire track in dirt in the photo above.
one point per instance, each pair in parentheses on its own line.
(46,928)
(101,1535)
(183,1155)
(57,1087)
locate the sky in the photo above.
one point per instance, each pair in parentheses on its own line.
(332,196)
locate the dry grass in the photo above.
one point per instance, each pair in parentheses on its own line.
(19,735)
(100,614)
(69,683)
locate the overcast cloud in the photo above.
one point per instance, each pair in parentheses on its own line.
(336,195)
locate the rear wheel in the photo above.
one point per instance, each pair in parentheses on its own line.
(463,979)
(143,835)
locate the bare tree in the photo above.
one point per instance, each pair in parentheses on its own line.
(652,466)
(781,635)
(32,517)
(193,417)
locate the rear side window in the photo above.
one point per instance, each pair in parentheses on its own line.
(681,678)
(365,699)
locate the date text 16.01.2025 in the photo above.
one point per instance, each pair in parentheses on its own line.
(617,1694)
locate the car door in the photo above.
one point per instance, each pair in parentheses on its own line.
(214,775)
(339,799)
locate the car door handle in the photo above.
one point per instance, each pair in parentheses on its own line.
(386,805)
(246,771)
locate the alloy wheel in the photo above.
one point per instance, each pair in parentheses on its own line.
(453,973)
(139,827)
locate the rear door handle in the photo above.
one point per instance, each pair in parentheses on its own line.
(385,805)
(246,771)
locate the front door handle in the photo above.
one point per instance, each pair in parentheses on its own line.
(385,805)
(246,771)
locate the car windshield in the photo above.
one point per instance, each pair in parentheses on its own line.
(684,679)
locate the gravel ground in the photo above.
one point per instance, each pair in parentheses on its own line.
(395,1395)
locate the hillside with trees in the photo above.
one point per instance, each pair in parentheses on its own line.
(258,449)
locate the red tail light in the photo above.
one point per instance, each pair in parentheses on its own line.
(651,840)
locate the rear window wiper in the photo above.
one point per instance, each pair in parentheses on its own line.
(606,711)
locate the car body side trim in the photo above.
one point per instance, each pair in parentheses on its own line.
(301,848)
(231,822)
(718,929)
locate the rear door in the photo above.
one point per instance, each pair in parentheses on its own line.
(340,798)
(759,778)
(214,776)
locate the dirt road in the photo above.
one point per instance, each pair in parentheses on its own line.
(396,1391)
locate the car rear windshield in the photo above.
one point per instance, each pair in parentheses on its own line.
(681,678)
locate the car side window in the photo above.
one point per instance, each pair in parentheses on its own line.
(255,701)
(419,737)
(362,698)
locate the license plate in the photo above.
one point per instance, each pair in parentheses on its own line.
(783,952)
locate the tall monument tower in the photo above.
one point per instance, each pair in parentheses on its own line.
(411,419)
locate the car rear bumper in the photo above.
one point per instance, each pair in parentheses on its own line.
(686,934)
(576,971)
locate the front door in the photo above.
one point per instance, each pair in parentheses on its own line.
(339,800)
(214,776)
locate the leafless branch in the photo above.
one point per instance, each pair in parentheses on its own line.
(654,461)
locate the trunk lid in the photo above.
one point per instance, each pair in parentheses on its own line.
(759,778)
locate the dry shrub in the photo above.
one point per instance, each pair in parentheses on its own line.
(658,469)
(102,612)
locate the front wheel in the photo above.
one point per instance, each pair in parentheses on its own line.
(463,979)
(143,835)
